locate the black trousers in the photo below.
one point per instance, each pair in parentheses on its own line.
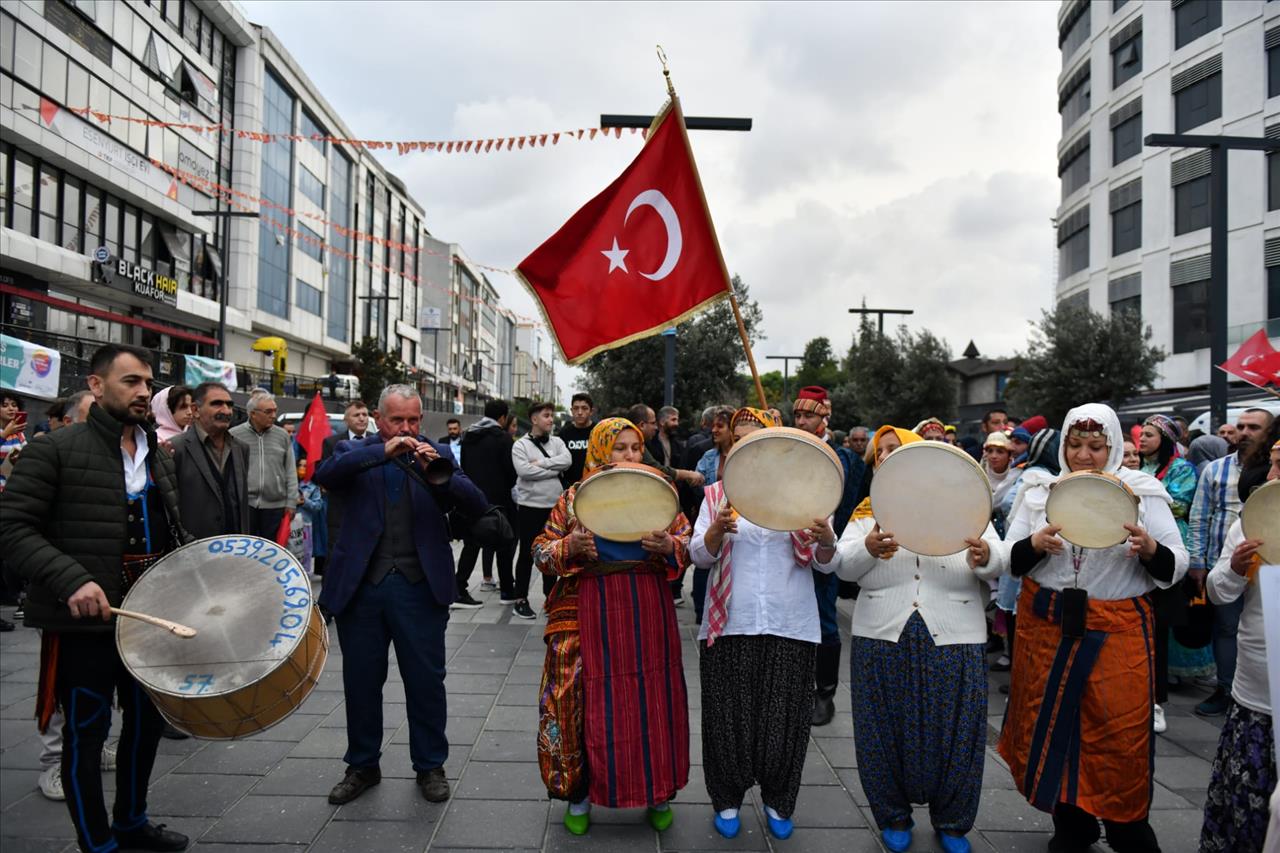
(530,520)
(1076,827)
(265,522)
(89,672)
(471,549)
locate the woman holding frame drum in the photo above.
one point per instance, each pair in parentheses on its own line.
(918,665)
(756,651)
(1078,728)
(613,716)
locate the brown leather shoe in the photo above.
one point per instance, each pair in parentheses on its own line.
(434,787)
(356,782)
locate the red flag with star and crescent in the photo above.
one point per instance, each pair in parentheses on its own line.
(1256,362)
(638,258)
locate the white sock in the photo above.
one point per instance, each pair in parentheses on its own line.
(580,808)
(769,810)
(729,814)
(660,807)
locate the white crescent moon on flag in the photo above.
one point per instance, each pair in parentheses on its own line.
(675,241)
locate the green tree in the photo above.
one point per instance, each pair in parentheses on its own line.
(818,367)
(1076,355)
(900,379)
(709,357)
(376,369)
(772,382)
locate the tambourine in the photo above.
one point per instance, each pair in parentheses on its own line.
(783,478)
(931,497)
(625,502)
(1092,508)
(1260,519)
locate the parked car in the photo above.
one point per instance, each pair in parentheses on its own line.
(1201,422)
(336,423)
(347,389)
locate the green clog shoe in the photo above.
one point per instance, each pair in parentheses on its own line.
(577,824)
(660,819)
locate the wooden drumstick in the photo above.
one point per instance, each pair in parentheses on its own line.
(172,627)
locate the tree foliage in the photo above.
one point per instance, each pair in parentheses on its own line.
(818,367)
(376,369)
(1077,355)
(709,357)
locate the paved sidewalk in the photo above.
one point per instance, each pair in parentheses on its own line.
(268,793)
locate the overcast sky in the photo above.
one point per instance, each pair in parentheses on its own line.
(901,152)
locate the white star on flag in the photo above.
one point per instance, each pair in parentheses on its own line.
(617,257)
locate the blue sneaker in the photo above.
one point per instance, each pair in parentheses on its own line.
(897,840)
(728,826)
(780,827)
(954,843)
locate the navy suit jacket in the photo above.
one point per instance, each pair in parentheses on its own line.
(357,471)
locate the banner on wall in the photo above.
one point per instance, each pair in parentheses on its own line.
(29,368)
(85,136)
(200,369)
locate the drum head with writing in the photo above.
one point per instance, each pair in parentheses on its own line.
(931,497)
(248,599)
(625,503)
(1260,519)
(1092,508)
(783,478)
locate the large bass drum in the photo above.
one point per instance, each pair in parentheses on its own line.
(931,497)
(783,478)
(625,502)
(260,645)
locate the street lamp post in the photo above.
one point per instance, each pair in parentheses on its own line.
(880,312)
(1218,147)
(224,215)
(786,363)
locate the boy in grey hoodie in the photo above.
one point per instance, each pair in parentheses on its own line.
(539,458)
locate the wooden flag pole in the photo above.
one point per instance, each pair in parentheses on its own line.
(733,300)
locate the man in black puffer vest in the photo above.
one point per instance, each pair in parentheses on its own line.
(86,510)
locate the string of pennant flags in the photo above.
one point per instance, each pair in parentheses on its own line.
(483,145)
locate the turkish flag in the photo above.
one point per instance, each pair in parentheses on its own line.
(312,432)
(1256,362)
(636,259)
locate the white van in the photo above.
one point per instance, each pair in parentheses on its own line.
(1201,421)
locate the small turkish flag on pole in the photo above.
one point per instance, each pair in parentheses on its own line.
(1256,362)
(312,432)
(636,259)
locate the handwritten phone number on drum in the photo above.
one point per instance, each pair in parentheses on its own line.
(296,599)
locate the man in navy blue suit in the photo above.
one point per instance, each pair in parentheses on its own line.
(390,579)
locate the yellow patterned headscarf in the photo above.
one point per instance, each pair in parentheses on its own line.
(747,414)
(603,437)
(905,436)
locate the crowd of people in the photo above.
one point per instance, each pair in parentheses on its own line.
(1092,637)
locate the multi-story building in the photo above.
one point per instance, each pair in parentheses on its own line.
(535,376)
(98,243)
(1133,225)
(172,178)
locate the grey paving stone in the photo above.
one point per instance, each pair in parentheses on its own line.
(382,836)
(1007,810)
(304,777)
(462,730)
(21,709)
(214,847)
(1163,798)
(813,840)
(24,756)
(293,728)
(828,807)
(16,844)
(463,683)
(398,800)
(622,837)
(531,657)
(321,702)
(203,795)
(525,674)
(483,650)
(839,751)
(693,830)
(513,718)
(14,732)
(36,817)
(236,758)
(850,782)
(16,784)
(272,820)
(490,824)
(525,695)
(501,780)
(469,704)
(1020,842)
(1182,772)
(504,746)
(816,771)
(393,714)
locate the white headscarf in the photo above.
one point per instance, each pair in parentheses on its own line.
(1036,482)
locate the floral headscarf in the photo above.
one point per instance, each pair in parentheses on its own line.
(603,437)
(749,415)
(905,436)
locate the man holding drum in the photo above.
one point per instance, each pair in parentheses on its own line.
(81,527)
(390,579)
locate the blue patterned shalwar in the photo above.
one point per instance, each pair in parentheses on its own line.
(920,726)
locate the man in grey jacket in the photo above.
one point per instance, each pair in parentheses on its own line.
(273,473)
(539,458)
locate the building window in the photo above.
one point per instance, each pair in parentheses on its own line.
(1075,99)
(1074,168)
(1073,243)
(1126,59)
(311,186)
(310,128)
(1191,316)
(93,218)
(1191,205)
(309,298)
(309,242)
(1273,182)
(1075,29)
(1125,294)
(1195,18)
(1126,139)
(338,285)
(1126,219)
(1273,64)
(72,234)
(277,165)
(111,225)
(129,234)
(1273,298)
(1198,103)
(1133,303)
(48,202)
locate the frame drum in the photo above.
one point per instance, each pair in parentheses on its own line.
(261,641)
(937,473)
(1260,519)
(625,502)
(1092,509)
(782,478)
